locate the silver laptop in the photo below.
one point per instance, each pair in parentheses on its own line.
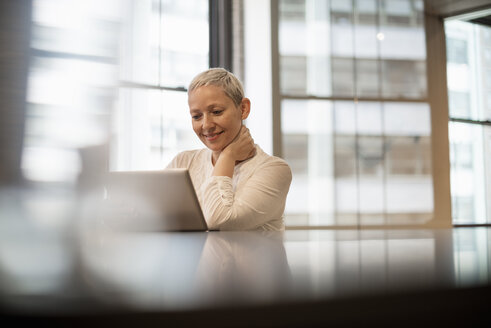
(152,201)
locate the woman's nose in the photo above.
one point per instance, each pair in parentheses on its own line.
(207,122)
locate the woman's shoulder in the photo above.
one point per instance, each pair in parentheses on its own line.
(185,158)
(265,160)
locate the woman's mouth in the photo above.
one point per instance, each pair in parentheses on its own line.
(212,136)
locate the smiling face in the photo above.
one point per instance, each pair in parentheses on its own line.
(216,119)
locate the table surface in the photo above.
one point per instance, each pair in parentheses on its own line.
(86,271)
(60,262)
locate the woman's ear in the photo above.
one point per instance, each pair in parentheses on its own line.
(245,108)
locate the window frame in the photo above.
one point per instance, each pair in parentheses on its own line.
(436,95)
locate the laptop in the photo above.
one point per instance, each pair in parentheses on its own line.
(162,200)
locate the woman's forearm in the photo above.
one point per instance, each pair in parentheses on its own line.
(224,166)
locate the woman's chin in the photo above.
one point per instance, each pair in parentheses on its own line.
(213,147)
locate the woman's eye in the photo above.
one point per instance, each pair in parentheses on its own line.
(195,117)
(217,112)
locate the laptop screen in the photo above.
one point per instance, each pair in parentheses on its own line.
(153,201)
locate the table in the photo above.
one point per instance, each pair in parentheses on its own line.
(88,275)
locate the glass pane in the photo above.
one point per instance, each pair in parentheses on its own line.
(343,76)
(360,48)
(367,78)
(71,82)
(304,59)
(398,12)
(368,167)
(87,28)
(174,31)
(403,79)
(139,53)
(150,128)
(369,118)
(177,131)
(80,49)
(132,129)
(381,158)
(292,10)
(468,174)
(409,191)
(408,119)
(402,50)
(184,41)
(459,104)
(294,74)
(366,49)
(469,90)
(345,163)
(468,70)
(371,161)
(457,50)
(308,143)
(367,11)
(408,162)
(346,180)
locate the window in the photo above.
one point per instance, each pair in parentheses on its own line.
(355,123)
(73,72)
(167,44)
(469,102)
(111,72)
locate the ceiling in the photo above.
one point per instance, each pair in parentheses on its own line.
(448,8)
(484,20)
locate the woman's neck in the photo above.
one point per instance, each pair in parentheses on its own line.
(214,157)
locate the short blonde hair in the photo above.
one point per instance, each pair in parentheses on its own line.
(222,78)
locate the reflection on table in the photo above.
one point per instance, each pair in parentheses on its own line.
(87,271)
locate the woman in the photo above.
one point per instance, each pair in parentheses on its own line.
(239,186)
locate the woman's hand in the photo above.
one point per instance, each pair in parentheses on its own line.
(240,149)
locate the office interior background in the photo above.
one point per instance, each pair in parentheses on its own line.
(381,107)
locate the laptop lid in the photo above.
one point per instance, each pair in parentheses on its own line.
(162,200)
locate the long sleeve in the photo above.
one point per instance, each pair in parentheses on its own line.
(258,198)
